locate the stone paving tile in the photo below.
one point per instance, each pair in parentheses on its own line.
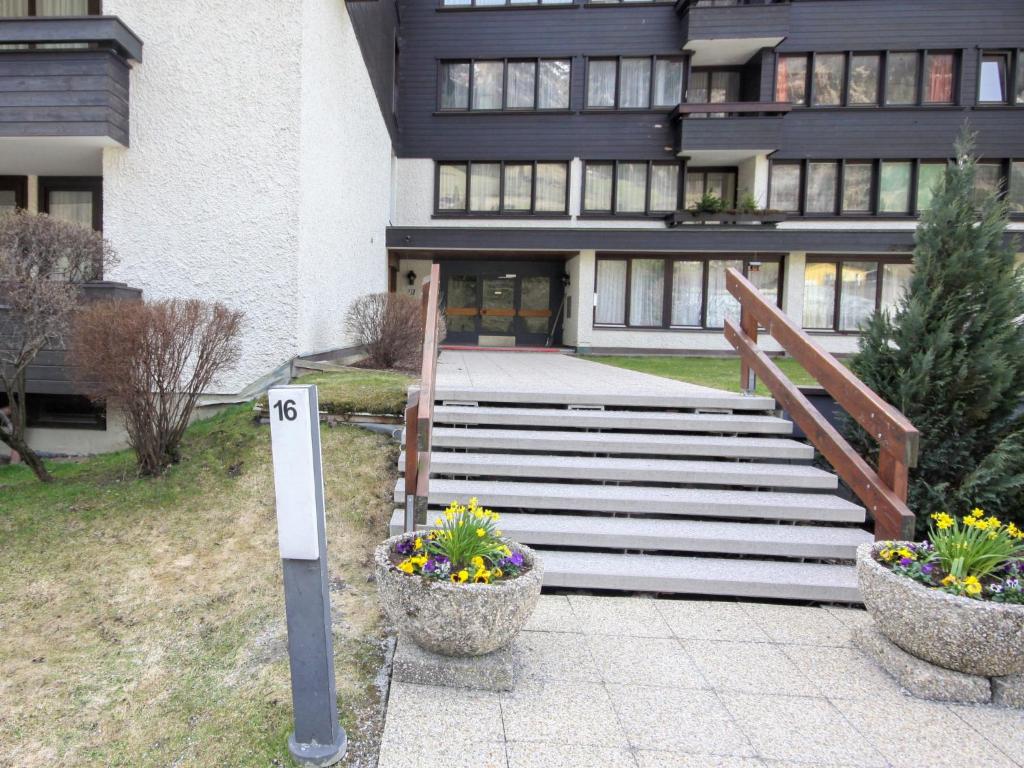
(397,752)
(800,729)
(709,620)
(677,720)
(414,714)
(620,616)
(556,655)
(552,614)
(799,624)
(651,759)
(851,617)
(534,755)
(749,668)
(914,733)
(565,713)
(644,661)
(842,673)
(1000,726)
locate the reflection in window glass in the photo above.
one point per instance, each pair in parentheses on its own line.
(598,186)
(611,292)
(819,295)
(553,89)
(518,186)
(461,304)
(791,79)
(988,181)
(938,78)
(668,82)
(455,85)
(1020,78)
(74,206)
(785,189)
(722,184)
(630,187)
(646,292)
(864,71)
(487,84)
(664,187)
(551,185)
(484,185)
(1016,195)
(721,303)
(451,193)
(765,277)
(857,187)
(828,78)
(894,188)
(635,88)
(694,188)
(8,201)
(821,187)
(992,89)
(901,78)
(929,177)
(522,80)
(895,282)
(858,293)
(687,292)
(601,83)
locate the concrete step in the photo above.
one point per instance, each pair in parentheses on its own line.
(555,441)
(687,502)
(799,541)
(644,470)
(701,576)
(634,421)
(699,398)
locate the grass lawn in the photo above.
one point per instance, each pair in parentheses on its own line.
(360,391)
(717,372)
(142,620)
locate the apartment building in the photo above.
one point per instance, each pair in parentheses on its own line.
(584,170)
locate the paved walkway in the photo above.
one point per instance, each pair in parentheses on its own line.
(613,682)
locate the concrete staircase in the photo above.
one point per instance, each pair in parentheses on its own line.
(702,493)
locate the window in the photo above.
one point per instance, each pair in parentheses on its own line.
(791,79)
(938,78)
(713,87)
(64,412)
(901,78)
(858,184)
(785,186)
(505,85)
(829,70)
(993,87)
(13,8)
(864,74)
(78,199)
(894,187)
(627,83)
(13,191)
(631,291)
(720,182)
(1016,193)
(499,3)
(929,179)
(988,181)
(840,294)
(822,183)
(509,187)
(1020,77)
(635,188)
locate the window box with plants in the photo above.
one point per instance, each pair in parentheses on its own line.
(711,209)
(462,589)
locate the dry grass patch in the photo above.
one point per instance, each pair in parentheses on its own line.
(142,620)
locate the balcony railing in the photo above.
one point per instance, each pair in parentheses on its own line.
(739,125)
(685,5)
(107,32)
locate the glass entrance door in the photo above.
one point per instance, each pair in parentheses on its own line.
(498,312)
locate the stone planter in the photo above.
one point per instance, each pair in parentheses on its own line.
(457,619)
(959,633)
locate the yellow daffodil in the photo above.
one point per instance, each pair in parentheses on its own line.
(438,521)
(943,520)
(481,532)
(977,512)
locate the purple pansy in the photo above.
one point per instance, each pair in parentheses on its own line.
(905,561)
(404,547)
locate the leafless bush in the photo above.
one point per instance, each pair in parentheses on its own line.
(154,359)
(390,327)
(42,263)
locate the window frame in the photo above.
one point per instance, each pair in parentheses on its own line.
(1010,56)
(669,259)
(654,59)
(94,184)
(95,9)
(704,171)
(471,5)
(1009,180)
(19,186)
(467,212)
(648,212)
(837,260)
(504,108)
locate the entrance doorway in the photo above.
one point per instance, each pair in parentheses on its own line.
(503,303)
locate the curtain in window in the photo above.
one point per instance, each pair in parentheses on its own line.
(864,71)
(12,8)
(694,188)
(857,296)
(664,187)
(636,83)
(698,88)
(73,206)
(487,84)
(646,292)
(939,79)
(895,282)
(484,185)
(894,188)
(455,86)
(785,190)
(611,292)
(451,192)
(791,79)
(598,186)
(62,7)
(687,292)
(828,78)
(721,304)
(929,179)
(819,295)
(8,201)
(901,78)
(857,187)
(725,87)
(553,92)
(821,187)
(522,77)
(601,83)
(551,185)
(1016,194)
(722,184)
(668,82)
(518,187)
(765,277)
(630,187)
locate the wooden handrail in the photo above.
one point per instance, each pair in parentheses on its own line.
(883,492)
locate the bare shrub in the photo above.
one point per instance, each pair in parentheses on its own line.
(390,327)
(154,359)
(42,263)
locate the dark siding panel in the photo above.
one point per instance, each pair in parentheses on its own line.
(376,27)
(725,22)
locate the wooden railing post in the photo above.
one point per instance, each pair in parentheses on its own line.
(748,378)
(427,394)
(411,459)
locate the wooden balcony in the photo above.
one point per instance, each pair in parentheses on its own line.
(748,127)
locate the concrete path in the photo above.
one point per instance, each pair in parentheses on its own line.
(637,683)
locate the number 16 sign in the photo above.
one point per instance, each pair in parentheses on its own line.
(297,483)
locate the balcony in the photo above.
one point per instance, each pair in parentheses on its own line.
(729,32)
(67,79)
(729,132)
